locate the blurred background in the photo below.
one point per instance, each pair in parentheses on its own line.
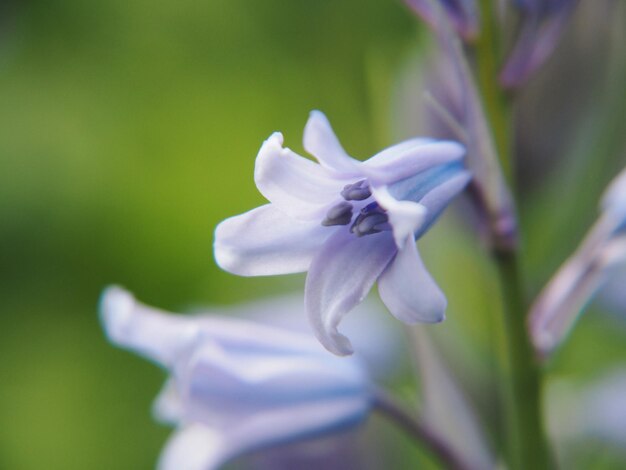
(128,130)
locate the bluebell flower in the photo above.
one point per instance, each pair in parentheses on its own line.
(348,223)
(603,250)
(463,14)
(542,27)
(236,386)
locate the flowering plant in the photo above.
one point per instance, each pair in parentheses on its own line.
(237,387)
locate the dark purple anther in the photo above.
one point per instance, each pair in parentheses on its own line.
(341,214)
(372,219)
(358,191)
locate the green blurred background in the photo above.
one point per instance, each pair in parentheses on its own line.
(128,130)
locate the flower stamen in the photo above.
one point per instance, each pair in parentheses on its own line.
(371,220)
(341,214)
(358,191)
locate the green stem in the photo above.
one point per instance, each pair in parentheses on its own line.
(528,446)
(495,101)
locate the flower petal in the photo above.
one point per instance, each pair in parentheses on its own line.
(340,276)
(287,423)
(408,290)
(437,199)
(297,186)
(537,40)
(559,305)
(224,386)
(405,217)
(150,332)
(264,242)
(409,158)
(194,447)
(377,341)
(321,142)
(462,14)
(614,198)
(168,407)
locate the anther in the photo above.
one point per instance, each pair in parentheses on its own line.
(341,214)
(370,223)
(358,191)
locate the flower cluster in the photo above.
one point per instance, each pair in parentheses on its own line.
(238,385)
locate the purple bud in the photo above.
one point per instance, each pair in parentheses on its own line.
(543,26)
(462,14)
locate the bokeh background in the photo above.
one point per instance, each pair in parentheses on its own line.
(128,130)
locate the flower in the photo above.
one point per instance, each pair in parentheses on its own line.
(463,14)
(543,25)
(604,249)
(348,223)
(235,385)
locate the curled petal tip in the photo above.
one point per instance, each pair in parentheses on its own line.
(320,140)
(317,114)
(614,197)
(276,138)
(116,306)
(194,447)
(406,217)
(408,290)
(337,343)
(441,316)
(544,342)
(225,256)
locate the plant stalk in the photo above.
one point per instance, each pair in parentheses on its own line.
(527,445)
(494,98)
(419,431)
(527,440)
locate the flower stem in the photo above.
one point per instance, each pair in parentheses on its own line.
(527,440)
(494,98)
(419,430)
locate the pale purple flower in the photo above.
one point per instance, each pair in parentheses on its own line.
(236,386)
(543,25)
(463,14)
(604,248)
(348,223)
